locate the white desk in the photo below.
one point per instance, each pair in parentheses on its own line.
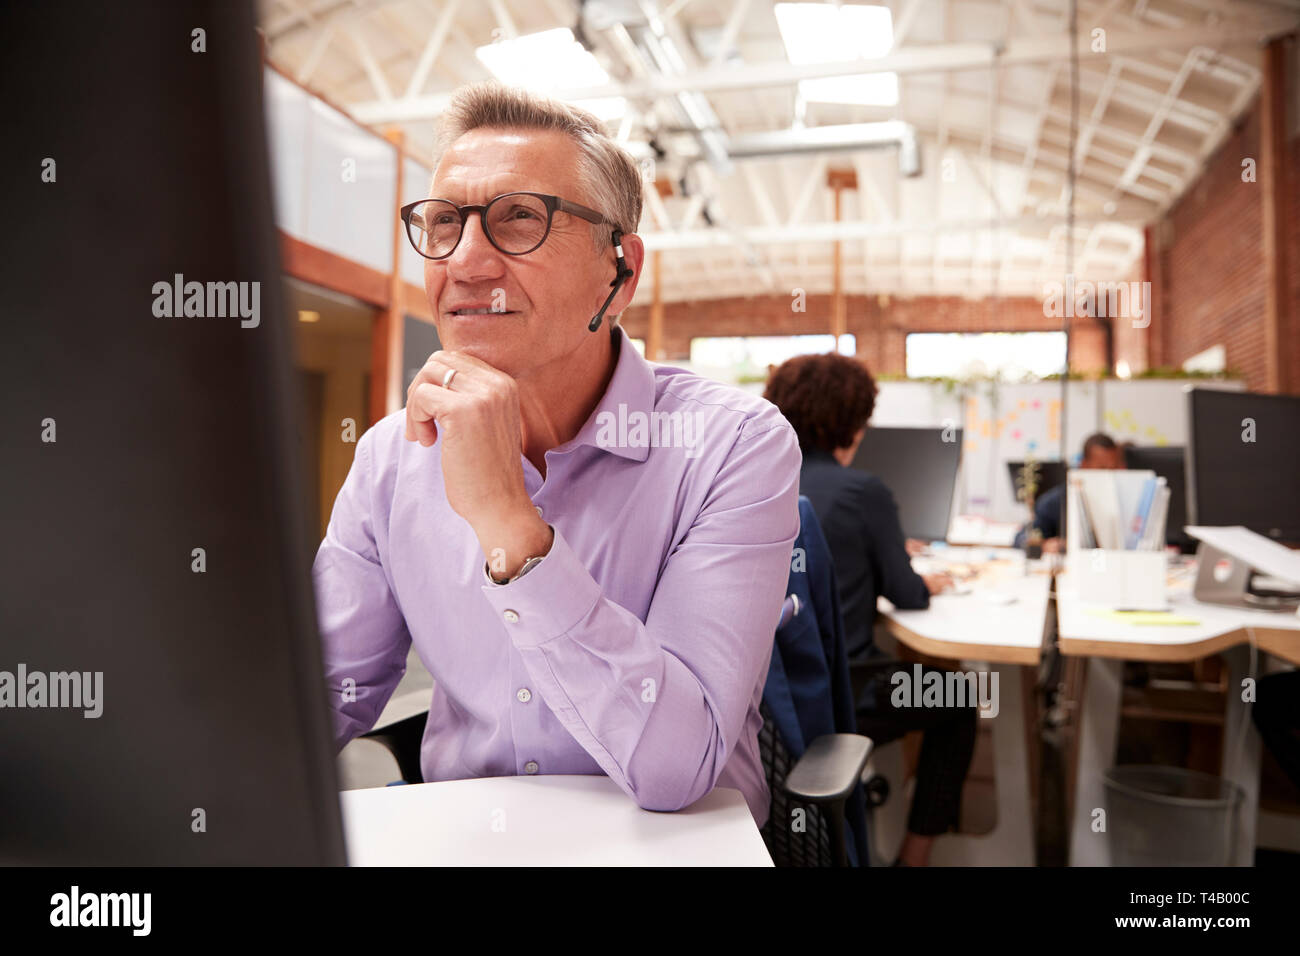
(970,627)
(1008,640)
(1219,628)
(1107,643)
(543,821)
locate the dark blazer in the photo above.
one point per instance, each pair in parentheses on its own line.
(858,515)
(808,690)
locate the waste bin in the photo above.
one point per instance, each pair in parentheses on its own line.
(1168,816)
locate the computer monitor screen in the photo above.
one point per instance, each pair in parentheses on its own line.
(1050,474)
(1244,462)
(1170,463)
(156,611)
(919,465)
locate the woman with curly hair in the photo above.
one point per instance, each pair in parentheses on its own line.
(829,399)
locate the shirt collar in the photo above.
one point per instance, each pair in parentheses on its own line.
(632,386)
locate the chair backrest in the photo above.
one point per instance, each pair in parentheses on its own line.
(808,693)
(796,833)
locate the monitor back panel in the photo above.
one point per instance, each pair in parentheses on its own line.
(1244,461)
(154,536)
(919,465)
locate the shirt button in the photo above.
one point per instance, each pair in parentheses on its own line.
(511,616)
(531,767)
(524,695)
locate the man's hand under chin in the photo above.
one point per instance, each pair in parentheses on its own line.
(477,415)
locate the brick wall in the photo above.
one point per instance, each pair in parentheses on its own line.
(1212,268)
(1209,265)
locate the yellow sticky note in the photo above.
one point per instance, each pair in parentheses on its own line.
(1144,618)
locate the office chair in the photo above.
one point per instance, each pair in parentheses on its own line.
(811,755)
(806,825)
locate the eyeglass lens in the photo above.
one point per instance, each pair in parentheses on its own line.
(515,223)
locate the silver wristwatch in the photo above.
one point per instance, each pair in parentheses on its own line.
(524,569)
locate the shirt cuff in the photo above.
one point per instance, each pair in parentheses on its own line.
(548,601)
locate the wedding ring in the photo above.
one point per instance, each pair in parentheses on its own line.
(446,379)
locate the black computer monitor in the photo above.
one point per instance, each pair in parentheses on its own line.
(919,465)
(1170,463)
(153,521)
(1243,461)
(1050,475)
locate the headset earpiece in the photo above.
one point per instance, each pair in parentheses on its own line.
(622,274)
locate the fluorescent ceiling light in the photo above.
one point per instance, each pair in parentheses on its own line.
(549,61)
(835,33)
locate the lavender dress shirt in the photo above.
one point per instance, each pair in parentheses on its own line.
(638,648)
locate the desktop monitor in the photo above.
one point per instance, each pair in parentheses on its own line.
(919,465)
(1050,475)
(155,587)
(1243,461)
(1170,463)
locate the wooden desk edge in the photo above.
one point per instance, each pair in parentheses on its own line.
(1280,642)
(993,653)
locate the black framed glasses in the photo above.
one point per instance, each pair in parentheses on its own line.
(515,223)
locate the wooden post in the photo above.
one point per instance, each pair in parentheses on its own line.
(837,294)
(1152,351)
(1273,181)
(654,339)
(839,180)
(386,341)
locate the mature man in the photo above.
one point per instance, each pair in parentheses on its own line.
(588,551)
(1099,453)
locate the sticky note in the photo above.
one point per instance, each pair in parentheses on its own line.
(1144,618)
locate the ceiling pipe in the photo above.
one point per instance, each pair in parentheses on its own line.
(830,139)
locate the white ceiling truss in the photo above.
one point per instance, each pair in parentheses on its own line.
(984,89)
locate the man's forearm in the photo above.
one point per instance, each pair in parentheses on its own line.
(511,538)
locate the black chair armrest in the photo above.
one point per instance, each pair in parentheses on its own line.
(403,741)
(825,776)
(829,769)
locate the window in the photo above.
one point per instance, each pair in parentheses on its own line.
(745,359)
(1008,355)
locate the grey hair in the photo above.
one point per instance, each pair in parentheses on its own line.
(609,175)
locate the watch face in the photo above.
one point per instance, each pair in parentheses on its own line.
(528,566)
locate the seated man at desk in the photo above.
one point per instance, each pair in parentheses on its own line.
(829,399)
(588,551)
(1099,452)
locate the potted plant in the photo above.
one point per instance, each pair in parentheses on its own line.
(1027,488)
